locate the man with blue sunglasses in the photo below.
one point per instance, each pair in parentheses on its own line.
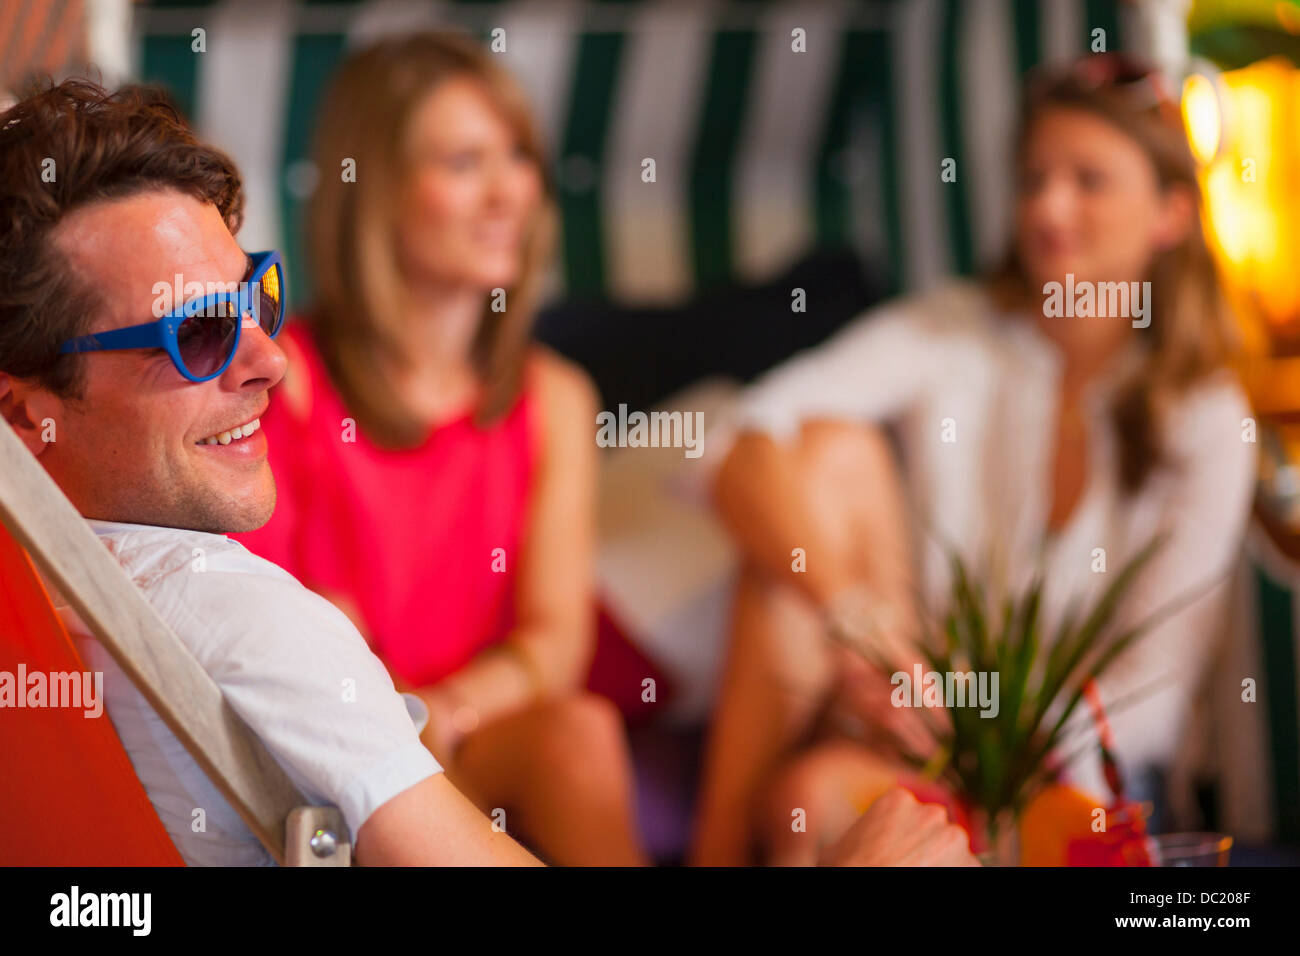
(150,427)
(151,430)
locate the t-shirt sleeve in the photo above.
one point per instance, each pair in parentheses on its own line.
(300,675)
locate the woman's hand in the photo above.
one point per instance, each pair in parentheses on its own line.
(867,694)
(449,723)
(896,830)
(867,637)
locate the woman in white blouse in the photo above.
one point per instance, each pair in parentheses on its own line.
(1028,439)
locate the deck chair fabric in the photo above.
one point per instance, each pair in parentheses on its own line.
(68,793)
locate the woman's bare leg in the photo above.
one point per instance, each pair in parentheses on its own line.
(776,676)
(779,671)
(562,774)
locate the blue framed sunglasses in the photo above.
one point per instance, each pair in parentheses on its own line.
(202,335)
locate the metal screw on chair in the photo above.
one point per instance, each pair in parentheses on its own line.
(324,843)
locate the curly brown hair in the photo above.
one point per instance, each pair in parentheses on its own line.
(66,146)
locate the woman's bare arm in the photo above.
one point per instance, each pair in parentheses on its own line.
(554,637)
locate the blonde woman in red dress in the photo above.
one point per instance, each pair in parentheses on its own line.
(435,467)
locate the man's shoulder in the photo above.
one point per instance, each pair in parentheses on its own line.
(212,590)
(287,661)
(158,557)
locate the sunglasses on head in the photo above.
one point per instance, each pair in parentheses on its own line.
(1139,81)
(202,335)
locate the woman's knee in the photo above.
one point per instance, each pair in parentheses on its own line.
(581,742)
(825,787)
(840,454)
(805,783)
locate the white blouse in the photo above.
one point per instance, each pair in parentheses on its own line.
(973,397)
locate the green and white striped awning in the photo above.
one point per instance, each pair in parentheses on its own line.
(760,151)
(41,36)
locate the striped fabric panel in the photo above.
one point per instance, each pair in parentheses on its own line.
(1106,15)
(771,188)
(860,102)
(917,58)
(380,18)
(597,61)
(654,115)
(1063,30)
(167,60)
(314,58)
(166,55)
(988,90)
(1279,691)
(886,91)
(40,37)
(242,92)
(1028,33)
(731,65)
(954,141)
(541,42)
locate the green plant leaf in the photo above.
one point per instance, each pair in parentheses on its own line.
(998,762)
(1084,639)
(1104,660)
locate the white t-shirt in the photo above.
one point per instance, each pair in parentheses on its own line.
(973,395)
(288,662)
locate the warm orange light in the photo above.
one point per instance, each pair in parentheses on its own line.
(1251,181)
(1201,115)
(1288,16)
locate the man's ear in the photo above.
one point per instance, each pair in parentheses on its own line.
(27,409)
(1177,216)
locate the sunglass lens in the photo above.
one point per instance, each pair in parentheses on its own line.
(207,338)
(270,300)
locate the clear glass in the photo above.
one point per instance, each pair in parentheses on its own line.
(998,838)
(1190,849)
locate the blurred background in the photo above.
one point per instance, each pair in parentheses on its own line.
(775,171)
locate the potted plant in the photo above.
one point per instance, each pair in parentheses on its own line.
(996,760)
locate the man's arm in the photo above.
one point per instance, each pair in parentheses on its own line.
(434,824)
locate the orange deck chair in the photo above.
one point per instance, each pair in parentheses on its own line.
(68,794)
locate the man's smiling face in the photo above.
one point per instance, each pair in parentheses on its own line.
(133,447)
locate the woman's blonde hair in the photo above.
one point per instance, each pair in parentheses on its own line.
(1192,331)
(360,295)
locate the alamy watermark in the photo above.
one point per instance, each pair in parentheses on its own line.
(950,689)
(133,911)
(1086,300)
(76,689)
(170,296)
(654,430)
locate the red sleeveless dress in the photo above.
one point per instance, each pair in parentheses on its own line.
(424,541)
